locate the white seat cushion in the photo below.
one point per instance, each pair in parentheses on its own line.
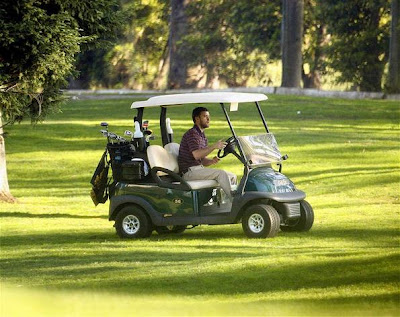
(159,157)
(168,158)
(202,184)
(209,183)
(173,149)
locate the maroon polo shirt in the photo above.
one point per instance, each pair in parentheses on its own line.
(192,140)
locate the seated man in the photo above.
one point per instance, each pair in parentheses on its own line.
(193,153)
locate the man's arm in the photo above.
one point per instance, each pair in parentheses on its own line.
(200,154)
(207,162)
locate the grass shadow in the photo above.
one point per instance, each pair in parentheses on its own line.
(164,271)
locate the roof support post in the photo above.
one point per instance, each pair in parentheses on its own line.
(139,117)
(262,116)
(163,126)
(242,157)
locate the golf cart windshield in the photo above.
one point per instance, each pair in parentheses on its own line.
(260,149)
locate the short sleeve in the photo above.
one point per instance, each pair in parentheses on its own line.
(194,141)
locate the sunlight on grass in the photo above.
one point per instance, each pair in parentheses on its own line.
(60,255)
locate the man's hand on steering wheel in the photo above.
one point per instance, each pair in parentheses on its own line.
(229,147)
(219,145)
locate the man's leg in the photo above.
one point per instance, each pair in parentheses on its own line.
(232,178)
(221,176)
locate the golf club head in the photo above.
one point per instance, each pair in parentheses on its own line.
(104,124)
(112,136)
(120,139)
(128,133)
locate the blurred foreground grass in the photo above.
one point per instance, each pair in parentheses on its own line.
(60,255)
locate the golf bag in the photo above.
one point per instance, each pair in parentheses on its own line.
(119,153)
(99,181)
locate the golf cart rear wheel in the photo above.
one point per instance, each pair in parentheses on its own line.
(306,219)
(260,221)
(132,222)
(170,229)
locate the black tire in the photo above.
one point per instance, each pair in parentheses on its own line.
(306,219)
(261,221)
(170,229)
(132,222)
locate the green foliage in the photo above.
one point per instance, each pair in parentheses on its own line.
(234,40)
(230,40)
(37,53)
(360,40)
(60,255)
(236,43)
(134,61)
(39,41)
(314,35)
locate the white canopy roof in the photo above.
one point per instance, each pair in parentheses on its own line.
(208,97)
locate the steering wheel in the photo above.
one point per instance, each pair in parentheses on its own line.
(229,148)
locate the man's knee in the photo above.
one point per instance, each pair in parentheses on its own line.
(232,178)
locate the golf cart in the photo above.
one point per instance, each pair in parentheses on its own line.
(148,193)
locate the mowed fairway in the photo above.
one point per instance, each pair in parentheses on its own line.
(60,255)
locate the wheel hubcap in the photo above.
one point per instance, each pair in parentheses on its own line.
(256,223)
(131,224)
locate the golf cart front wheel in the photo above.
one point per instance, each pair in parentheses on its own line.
(305,221)
(260,221)
(132,222)
(170,229)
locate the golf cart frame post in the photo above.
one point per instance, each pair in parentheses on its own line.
(243,159)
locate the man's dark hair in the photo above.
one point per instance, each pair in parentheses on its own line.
(196,112)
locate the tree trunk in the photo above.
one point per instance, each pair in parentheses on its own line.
(394,49)
(313,78)
(178,67)
(5,194)
(292,38)
(160,80)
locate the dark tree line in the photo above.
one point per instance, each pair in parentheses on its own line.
(193,43)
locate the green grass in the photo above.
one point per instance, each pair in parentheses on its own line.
(61,257)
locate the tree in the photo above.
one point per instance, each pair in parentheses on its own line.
(178,67)
(5,194)
(359,31)
(232,41)
(314,38)
(292,38)
(393,84)
(139,57)
(38,44)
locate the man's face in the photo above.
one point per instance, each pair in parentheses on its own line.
(203,119)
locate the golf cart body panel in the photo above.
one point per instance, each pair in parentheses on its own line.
(147,179)
(266,179)
(167,206)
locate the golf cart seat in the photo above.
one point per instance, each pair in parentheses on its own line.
(173,149)
(165,170)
